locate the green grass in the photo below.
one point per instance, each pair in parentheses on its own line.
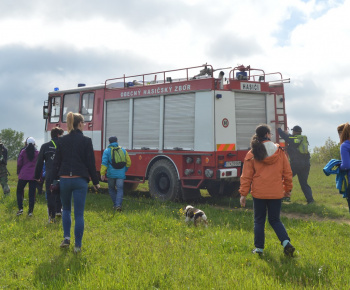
(148,245)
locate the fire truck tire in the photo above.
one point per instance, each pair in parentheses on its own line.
(230,189)
(163,181)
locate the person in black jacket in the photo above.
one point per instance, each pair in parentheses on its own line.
(47,154)
(74,163)
(3,169)
(300,163)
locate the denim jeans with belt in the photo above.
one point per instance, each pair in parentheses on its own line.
(116,190)
(76,187)
(273,209)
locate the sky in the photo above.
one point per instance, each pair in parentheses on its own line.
(48,44)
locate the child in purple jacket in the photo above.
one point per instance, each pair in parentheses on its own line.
(26,168)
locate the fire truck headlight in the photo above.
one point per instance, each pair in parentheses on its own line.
(188,171)
(209,173)
(198,160)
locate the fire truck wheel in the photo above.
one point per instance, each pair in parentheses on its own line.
(163,181)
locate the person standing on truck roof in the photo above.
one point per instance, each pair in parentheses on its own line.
(299,159)
(268,176)
(47,155)
(115,172)
(74,164)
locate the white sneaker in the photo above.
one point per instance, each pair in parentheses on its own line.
(77,250)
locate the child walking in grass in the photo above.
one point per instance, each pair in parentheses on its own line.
(268,176)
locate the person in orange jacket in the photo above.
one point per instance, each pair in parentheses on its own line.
(268,176)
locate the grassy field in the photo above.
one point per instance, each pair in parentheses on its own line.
(149,246)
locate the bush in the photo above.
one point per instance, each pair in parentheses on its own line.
(13,141)
(331,150)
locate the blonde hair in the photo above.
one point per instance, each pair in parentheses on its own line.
(73,120)
(344,131)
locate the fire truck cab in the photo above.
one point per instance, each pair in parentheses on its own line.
(184,129)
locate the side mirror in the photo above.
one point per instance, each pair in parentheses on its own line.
(45,112)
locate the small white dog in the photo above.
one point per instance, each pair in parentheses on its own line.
(196,215)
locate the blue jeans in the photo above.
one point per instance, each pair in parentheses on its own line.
(76,187)
(116,190)
(273,208)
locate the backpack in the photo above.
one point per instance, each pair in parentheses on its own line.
(302,145)
(118,157)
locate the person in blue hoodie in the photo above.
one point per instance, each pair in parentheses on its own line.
(115,176)
(344,135)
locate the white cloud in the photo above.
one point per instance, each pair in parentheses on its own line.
(62,43)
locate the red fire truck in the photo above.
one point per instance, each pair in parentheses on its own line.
(184,129)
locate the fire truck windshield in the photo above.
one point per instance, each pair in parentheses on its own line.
(70,104)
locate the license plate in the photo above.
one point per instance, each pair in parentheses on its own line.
(232,163)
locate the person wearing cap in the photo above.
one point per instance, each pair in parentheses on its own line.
(46,156)
(299,162)
(26,167)
(39,185)
(3,169)
(115,177)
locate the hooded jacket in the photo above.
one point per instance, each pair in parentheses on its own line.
(26,167)
(341,180)
(106,165)
(46,157)
(269,178)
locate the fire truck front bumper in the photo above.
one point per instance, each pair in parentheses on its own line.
(226,173)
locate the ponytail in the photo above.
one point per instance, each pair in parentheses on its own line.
(73,120)
(30,151)
(258,148)
(345,132)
